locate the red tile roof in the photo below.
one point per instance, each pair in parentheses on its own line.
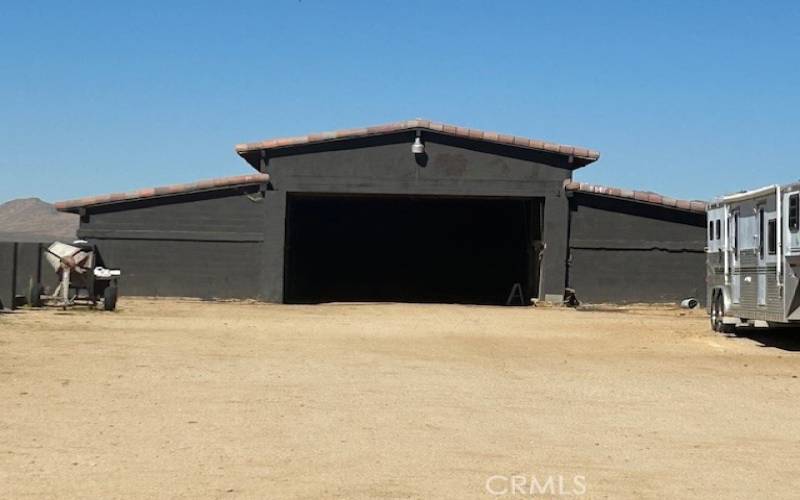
(641,196)
(193,187)
(587,155)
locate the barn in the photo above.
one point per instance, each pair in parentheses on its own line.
(410,211)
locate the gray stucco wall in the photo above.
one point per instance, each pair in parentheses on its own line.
(623,251)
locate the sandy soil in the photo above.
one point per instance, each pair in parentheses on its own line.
(226,400)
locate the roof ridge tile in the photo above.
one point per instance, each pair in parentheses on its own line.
(585,154)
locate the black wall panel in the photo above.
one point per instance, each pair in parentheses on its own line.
(446,169)
(26,262)
(29,266)
(32,266)
(222,216)
(7,268)
(623,251)
(205,269)
(273,251)
(628,276)
(207,245)
(603,222)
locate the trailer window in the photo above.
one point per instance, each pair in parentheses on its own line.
(794,212)
(711,230)
(772,235)
(719,231)
(736,232)
(761,232)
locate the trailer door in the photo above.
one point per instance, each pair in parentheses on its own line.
(733,245)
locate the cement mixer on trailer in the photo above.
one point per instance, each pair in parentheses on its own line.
(83,278)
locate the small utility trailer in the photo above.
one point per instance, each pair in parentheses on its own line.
(83,278)
(753,258)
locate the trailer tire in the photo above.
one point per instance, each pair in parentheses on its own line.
(714,316)
(717,313)
(35,295)
(110,295)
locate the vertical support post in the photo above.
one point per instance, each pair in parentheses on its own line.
(273,247)
(778,237)
(14,264)
(554,262)
(262,162)
(38,275)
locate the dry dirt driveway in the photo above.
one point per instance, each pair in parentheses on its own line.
(235,400)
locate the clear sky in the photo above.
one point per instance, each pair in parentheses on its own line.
(690,99)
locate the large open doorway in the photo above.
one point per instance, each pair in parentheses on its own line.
(411,249)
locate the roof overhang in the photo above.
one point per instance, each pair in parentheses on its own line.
(221,183)
(577,155)
(646,197)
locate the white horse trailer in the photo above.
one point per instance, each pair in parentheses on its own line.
(753,258)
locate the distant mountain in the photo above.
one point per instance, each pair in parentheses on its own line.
(31,219)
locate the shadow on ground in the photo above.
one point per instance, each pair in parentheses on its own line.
(787,339)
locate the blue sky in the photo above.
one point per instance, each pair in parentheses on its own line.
(691,99)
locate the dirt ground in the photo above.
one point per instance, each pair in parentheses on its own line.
(169,398)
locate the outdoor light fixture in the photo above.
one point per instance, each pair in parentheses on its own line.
(418,148)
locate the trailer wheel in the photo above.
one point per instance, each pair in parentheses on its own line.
(714,316)
(717,312)
(110,298)
(35,295)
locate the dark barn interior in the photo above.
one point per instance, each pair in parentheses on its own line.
(410,248)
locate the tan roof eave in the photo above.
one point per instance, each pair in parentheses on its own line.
(585,154)
(162,191)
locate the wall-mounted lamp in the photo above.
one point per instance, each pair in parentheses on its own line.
(418,147)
